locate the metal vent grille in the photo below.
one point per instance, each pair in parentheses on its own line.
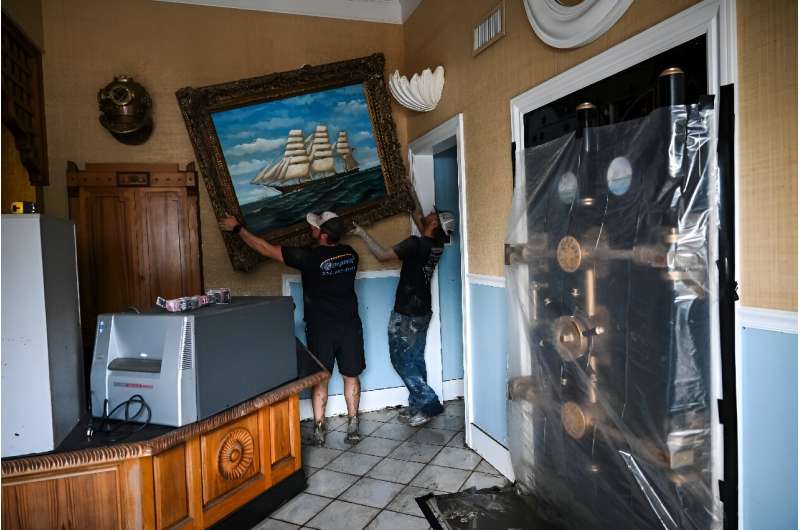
(186,350)
(489,29)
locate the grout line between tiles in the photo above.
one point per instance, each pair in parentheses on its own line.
(405,485)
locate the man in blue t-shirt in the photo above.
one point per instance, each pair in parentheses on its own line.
(333,327)
(408,323)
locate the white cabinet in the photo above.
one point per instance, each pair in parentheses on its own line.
(42,367)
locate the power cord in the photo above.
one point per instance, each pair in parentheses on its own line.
(106,428)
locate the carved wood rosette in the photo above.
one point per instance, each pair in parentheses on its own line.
(235,454)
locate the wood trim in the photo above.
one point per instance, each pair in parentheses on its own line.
(63,461)
(137,494)
(194,482)
(171,495)
(164,490)
(110,175)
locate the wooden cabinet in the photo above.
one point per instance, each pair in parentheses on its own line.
(192,477)
(138,236)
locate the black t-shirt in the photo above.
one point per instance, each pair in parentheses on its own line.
(420,256)
(329,275)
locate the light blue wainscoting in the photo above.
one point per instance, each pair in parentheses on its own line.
(375,302)
(488,335)
(769,427)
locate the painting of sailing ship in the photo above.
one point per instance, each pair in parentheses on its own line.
(313,152)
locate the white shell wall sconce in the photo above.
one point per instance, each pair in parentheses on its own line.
(422,93)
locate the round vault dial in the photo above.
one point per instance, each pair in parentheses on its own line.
(574,419)
(568,254)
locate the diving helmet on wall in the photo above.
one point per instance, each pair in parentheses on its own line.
(126,110)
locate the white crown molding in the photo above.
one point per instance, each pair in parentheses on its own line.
(382,11)
(407,8)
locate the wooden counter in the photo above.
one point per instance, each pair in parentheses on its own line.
(191,477)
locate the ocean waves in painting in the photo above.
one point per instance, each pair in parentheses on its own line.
(334,194)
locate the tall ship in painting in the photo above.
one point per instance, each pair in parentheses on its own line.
(308,161)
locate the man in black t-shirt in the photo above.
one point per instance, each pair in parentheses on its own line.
(333,327)
(408,323)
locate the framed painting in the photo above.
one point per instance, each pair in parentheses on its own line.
(276,147)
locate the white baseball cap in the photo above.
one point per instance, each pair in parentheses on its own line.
(318,220)
(447,221)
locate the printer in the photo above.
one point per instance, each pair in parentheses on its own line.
(189,366)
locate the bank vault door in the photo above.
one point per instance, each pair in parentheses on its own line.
(613,406)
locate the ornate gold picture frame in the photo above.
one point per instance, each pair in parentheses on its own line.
(275,147)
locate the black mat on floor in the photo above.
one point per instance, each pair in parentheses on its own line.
(486,509)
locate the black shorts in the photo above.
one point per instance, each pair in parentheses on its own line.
(342,342)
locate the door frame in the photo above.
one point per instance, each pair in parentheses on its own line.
(420,160)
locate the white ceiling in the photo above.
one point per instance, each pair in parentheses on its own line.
(387,11)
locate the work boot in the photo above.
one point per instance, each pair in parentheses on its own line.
(353,437)
(318,437)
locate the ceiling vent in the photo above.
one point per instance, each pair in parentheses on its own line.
(491,28)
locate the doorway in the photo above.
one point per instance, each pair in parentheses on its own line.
(445,180)
(437,172)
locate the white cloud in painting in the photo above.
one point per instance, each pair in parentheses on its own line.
(246,166)
(360,135)
(351,107)
(259,145)
(241,135)
(367,156)
(304,100)
(279,122)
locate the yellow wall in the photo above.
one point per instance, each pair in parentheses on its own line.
(168,46)
(440,32)
(28,16)
(767,121)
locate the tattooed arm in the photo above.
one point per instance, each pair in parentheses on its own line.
(380,252)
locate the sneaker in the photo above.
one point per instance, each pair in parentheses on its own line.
(353,437)
(418,419)
(404,414)
(318,437)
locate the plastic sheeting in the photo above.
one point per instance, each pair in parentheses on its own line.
(613,381)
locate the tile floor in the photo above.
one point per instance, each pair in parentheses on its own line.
(374,484)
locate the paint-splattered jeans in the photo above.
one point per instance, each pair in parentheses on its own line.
(407,336)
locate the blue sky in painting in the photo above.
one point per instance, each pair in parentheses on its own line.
(254,136)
